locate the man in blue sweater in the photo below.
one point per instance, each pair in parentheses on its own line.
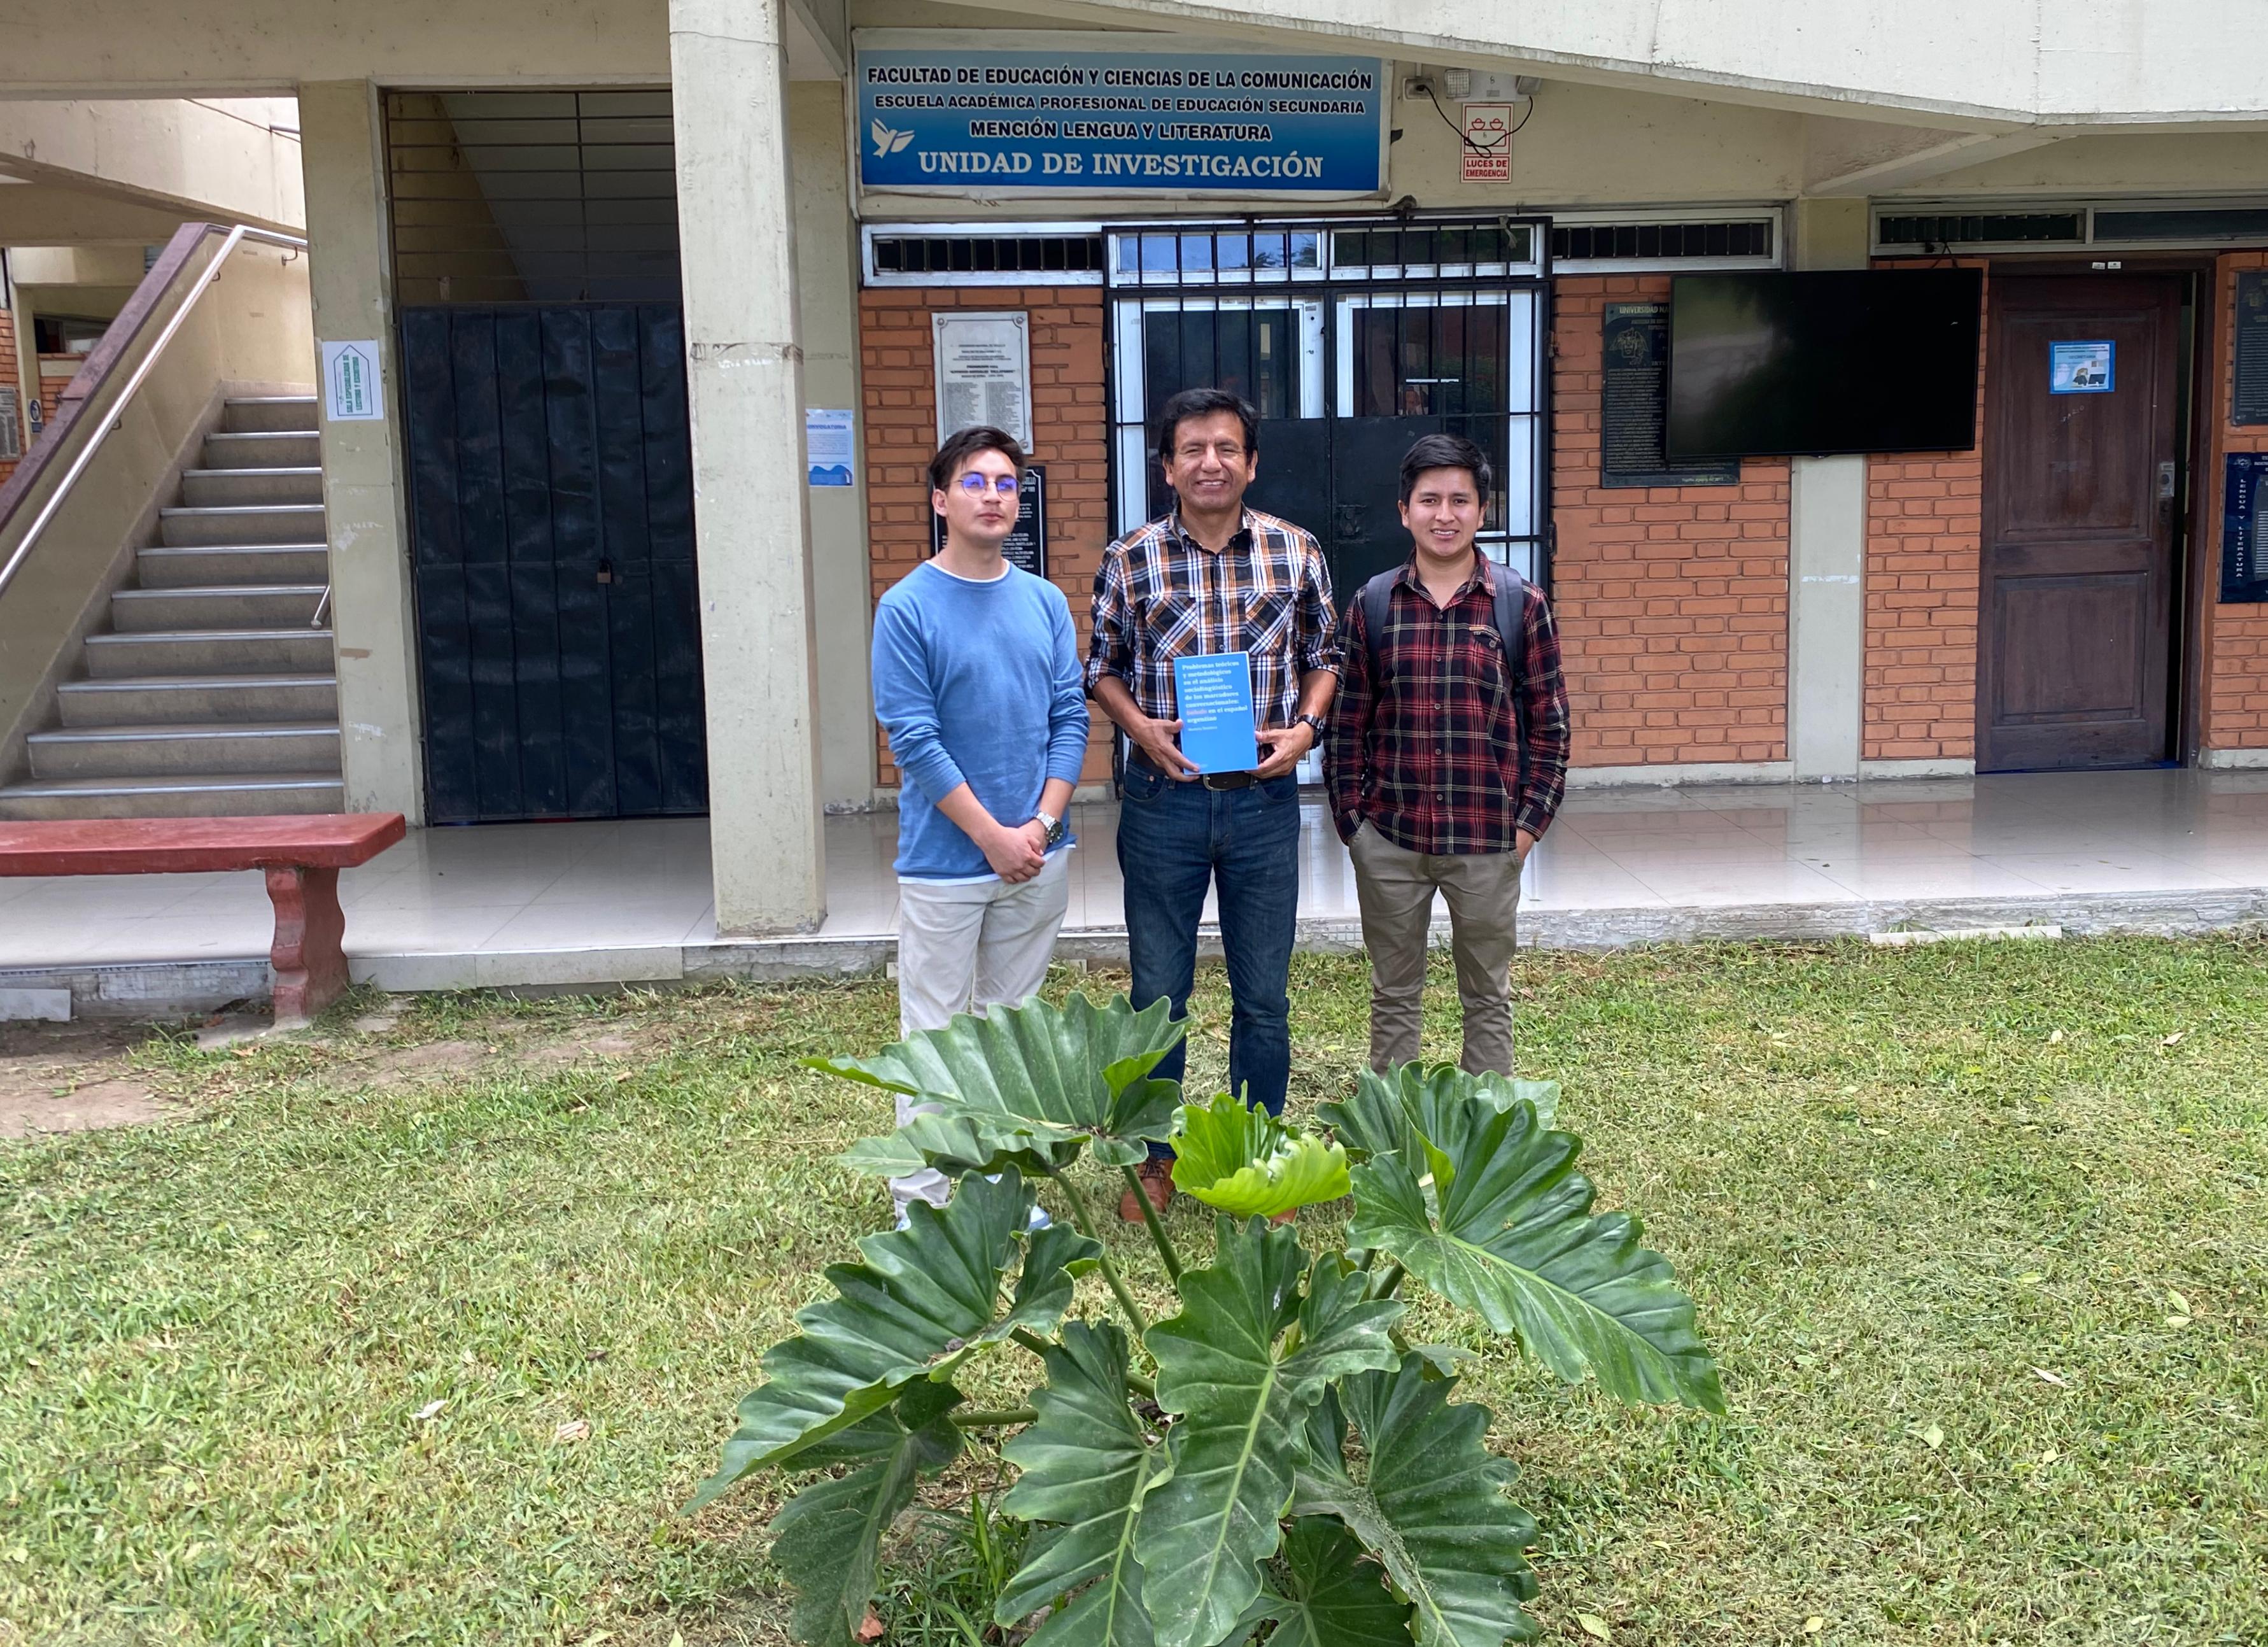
(977,680)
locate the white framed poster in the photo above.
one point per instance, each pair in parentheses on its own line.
(983,365)
(351,380)
(829,446)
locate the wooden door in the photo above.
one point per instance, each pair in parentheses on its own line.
(2076,604)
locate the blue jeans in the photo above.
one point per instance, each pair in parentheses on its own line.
(1175,838)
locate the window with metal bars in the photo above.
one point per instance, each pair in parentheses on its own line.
(910,257)
(1927,230)
(1350,339)
(1662,242)
(532,197)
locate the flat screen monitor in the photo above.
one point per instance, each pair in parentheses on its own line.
(1793,364)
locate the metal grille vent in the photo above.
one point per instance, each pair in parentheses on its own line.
(905,257)
(1661,242)
(2192,223)
(533,196)
(1927,230)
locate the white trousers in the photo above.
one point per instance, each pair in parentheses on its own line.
(963,948)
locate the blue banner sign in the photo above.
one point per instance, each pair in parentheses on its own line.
(953,113)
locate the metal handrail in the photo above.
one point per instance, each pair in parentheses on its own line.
(115,416)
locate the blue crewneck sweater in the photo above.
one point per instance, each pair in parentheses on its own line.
(976,683)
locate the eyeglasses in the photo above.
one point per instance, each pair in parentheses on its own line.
(974,484)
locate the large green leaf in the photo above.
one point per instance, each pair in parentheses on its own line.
(826,1538)
(1378,1119)
(1248,1357)
(1508,1232)
(1025,1086)
(1331,1597)
(1242,1160)
(1085,1465)
(1428,1501)
(923,1294)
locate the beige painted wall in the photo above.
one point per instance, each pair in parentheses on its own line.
(2172,162)
(827,293)
(251,332)
(370,606)
(232,160)
(2050,62)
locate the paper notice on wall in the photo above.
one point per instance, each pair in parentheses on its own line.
(827,447)
(984,364)
(1487,147)
(350,382)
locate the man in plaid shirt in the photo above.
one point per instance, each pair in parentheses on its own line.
(1211,577)
(1446,755)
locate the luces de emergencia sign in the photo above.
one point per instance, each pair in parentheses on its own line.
(980,113)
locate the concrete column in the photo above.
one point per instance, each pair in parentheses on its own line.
(827,286)
(1827,552)
(736,236)
(350,268)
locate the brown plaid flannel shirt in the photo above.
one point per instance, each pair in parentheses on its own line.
(1159,595)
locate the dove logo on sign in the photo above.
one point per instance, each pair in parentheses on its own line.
(886,142)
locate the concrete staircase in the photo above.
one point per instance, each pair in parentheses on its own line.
(212,692)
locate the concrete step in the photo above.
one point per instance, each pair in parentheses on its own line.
(291,650)
(237,488)
(131,700)
(155,751)
(251,795)
(243,606)
(268,413)
(212,565)
(263,448)
(262,523)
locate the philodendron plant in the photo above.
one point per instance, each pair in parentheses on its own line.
(1275,1454)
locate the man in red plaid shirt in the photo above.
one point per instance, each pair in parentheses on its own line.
(1445,755)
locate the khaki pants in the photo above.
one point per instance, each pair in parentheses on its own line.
(1395,888)
(965,947)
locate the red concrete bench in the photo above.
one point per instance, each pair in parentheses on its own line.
(302,856)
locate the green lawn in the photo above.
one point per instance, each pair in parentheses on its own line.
(1977,1231)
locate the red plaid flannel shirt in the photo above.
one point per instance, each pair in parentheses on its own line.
(1427,746)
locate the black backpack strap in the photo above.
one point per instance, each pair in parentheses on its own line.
(1511,628)
(1374,597)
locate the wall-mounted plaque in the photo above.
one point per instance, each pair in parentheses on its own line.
(2248,383)
(983,371)
(1634,404)
(1026,546)
(2244,531)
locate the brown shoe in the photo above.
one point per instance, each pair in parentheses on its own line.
(1157,1183)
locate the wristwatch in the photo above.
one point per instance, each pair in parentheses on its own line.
(1316,722)
(1055,826)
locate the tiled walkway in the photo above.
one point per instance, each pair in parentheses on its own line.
(1618,865)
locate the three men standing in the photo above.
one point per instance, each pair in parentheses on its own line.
(976,677)
(1210,577)
(1447,755)
(1445,759)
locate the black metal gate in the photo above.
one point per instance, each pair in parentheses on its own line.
(551,495)
(1351,337)
(550,471)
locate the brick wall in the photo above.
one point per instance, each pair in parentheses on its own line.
(2236,673)
(1672,603)
(11,378)
(1069,433)
(1924,536)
